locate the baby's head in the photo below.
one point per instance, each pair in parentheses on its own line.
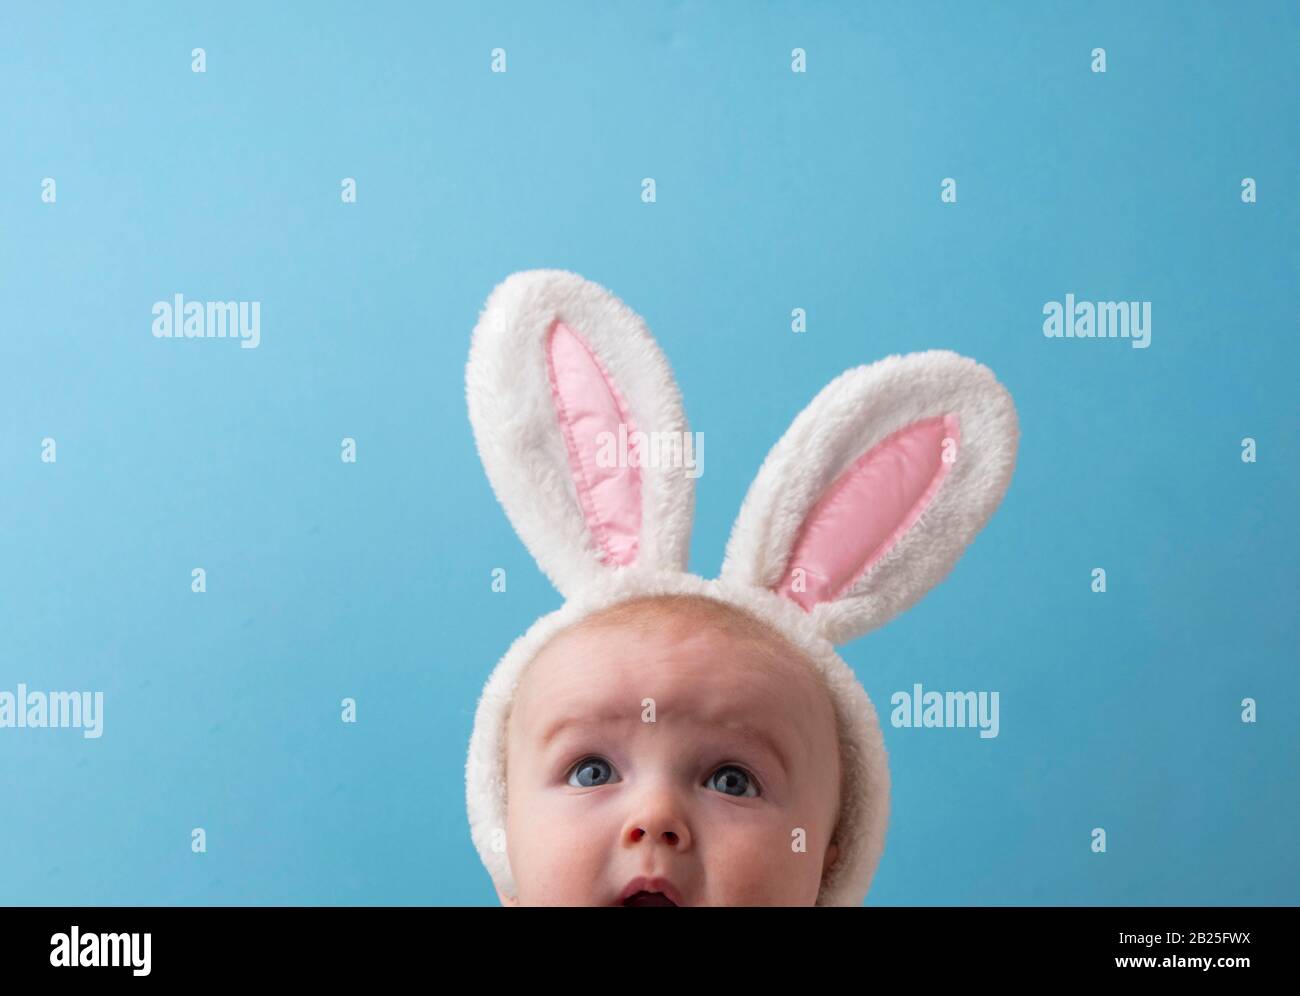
(671,737)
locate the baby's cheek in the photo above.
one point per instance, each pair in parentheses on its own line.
(553,856)
(762,868)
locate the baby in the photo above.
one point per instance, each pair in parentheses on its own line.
(665,752)
(663,739)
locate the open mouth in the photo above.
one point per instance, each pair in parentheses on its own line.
(648,899)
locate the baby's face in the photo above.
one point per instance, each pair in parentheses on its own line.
(707,787)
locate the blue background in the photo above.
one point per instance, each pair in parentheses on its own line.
(775,190)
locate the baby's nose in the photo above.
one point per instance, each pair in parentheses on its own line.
(660,827)
(670,837)
(656,814)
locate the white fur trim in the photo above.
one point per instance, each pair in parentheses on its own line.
(848,417)
(518,433)
(864,807)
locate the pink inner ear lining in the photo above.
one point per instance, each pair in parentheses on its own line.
(587,404)
(868,509)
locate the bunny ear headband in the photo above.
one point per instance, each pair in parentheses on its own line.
(863,505)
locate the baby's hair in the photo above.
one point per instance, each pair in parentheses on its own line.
(648,612)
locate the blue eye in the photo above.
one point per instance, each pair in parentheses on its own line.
(735,781)
(591,772)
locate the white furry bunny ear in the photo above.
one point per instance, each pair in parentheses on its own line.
(876,489)
(565,384)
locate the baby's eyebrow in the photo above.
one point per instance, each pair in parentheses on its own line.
(730,726)
(579,722)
